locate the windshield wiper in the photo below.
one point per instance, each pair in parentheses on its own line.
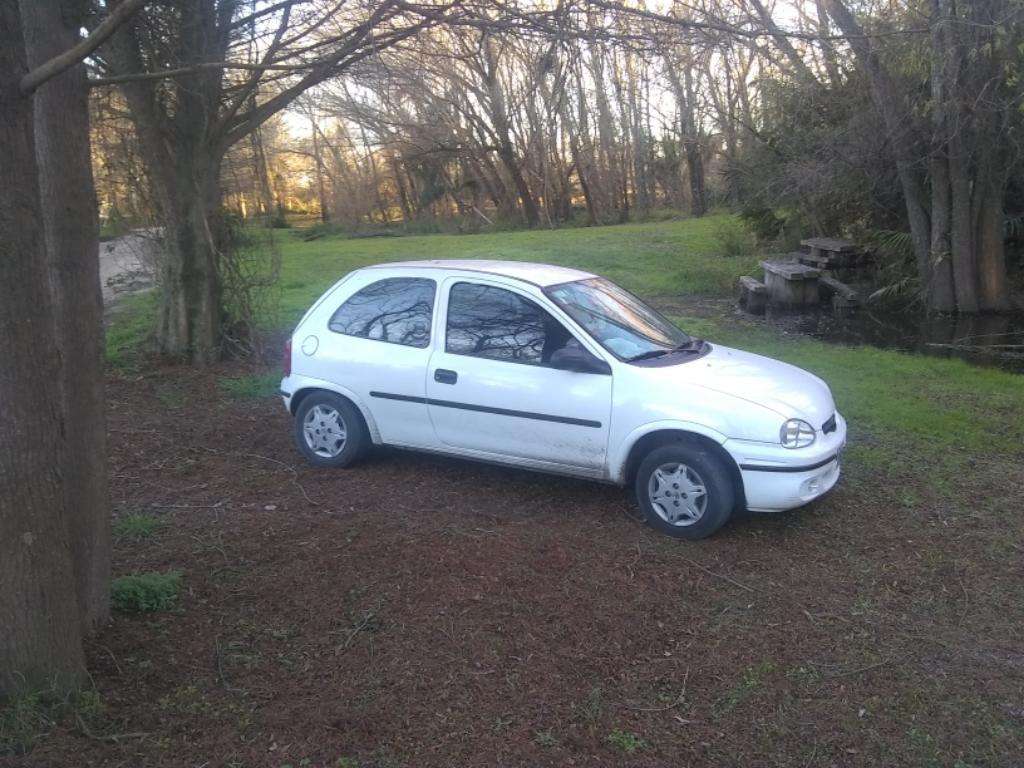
(648,355)
(693,345)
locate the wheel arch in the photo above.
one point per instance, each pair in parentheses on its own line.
(301,394)
(656,438)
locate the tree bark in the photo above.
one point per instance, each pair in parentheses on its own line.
(993,292)
(41,639)
(190,311)
(71,236)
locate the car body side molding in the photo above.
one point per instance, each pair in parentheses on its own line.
(803,468)
(488,409)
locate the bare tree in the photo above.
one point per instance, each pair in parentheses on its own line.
(195,85)
(54,543)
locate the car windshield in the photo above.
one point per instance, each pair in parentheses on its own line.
(617,319)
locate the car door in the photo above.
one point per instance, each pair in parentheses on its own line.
(378,340)
(490,389)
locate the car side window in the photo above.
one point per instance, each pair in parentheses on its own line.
(397,310)
(485,321)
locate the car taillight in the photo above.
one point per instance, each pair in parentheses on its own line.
(288,358)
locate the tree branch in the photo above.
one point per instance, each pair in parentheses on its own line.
(360,45)
(79,52)
(163,74)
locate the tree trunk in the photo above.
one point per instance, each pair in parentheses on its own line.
(694,154)
(41,640)
(502,131)
(325,214)
(71,235)
(936,271)
(993,292)
(189,324)
(259,160)
(685,98)
(403,194)
(961,241)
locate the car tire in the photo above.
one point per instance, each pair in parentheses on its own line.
(329,431)
(684,490)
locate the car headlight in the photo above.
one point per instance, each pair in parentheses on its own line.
(796,433)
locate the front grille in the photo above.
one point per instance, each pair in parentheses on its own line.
(829,426)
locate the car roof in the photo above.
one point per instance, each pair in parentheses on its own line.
(542,275)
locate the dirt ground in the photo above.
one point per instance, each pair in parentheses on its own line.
(418,611)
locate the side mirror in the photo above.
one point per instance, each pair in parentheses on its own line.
(573,357)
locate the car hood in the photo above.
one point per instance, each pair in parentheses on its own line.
(789,391)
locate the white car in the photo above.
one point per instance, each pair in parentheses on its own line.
(562,371)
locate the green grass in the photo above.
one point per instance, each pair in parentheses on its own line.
(129,330)
(251,387)
(751,679)
(906,412)
(628,742)
(27,716)
(136,526)
(23,718)
(145,592)
(652,259)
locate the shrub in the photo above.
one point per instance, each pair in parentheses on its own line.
(733,239)
(136,526)
(145,592)
(766,225)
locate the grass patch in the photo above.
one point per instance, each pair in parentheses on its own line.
(145,592)
(130,330)
(27,716)
(136,526)
(653,259)
(904,410)
(545,739)
(252,387)
(752,679)
(626,741)
(23,719)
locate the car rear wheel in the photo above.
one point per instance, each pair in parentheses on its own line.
(329,431)
(684,490)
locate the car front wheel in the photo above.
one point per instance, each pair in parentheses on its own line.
(329,431)
(684,491)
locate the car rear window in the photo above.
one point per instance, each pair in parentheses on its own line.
(397,310)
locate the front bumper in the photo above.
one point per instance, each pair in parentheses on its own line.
(776,478)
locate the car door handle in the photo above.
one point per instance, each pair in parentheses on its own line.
(444,376)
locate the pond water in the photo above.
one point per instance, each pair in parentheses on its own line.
(993,340)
